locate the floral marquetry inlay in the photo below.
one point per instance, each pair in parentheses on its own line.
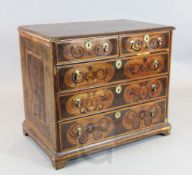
(103,126)
(135,119)
(78,51)
(144,42)
(100,99)
(142,91)
(144,66)
(87,48)
(88,74)
(90,131)
(94,74)
(90,101)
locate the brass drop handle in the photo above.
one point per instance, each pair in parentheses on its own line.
(160,40)
(152,113)
(155,64)
(154,87)
(105,47)
(118,115)
(79,131)
(88,45)
(78,102)
(76,76)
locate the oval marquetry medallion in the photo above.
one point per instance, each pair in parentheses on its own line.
(90,101)
(90,74)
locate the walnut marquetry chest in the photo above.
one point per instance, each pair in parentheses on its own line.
(91,86)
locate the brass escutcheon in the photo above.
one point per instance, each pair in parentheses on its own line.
(118,64)
(118,89)
(118,115)
(146,38)
(88,45)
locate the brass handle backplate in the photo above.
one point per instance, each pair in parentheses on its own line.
(136,45)
(79,131)
(154,87)
(160,40)
(152,113)
(78,102)
(155,64)
(77,76)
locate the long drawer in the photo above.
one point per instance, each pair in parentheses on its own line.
(101,73)
(73,105)
(80,132)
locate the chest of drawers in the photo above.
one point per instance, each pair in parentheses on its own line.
(91,86)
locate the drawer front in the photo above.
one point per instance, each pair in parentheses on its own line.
(147,42)
(84,131)
(102,99)
(95,74)
(87,48)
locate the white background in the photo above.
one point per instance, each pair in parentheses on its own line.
(157,155)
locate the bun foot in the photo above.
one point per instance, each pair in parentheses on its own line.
(166,132)
(58,164)
(25,132)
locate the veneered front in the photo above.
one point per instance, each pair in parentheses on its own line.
(101,99)
(95,74)
(78,50)
(81,132)
(134,44)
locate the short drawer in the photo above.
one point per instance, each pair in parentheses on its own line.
(85,131)
(93,74)
(134,44)
(73,105)
(78,50)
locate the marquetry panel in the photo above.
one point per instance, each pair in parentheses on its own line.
(80,132)
(102,99)
(134,44)
(87,48)
(95,74)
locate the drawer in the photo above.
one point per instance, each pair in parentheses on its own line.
(93,74)
(87,49)
(134,44)
(84,131)
(73,105)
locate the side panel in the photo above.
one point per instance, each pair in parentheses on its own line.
(37,72)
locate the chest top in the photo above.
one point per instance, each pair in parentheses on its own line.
(81,29)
